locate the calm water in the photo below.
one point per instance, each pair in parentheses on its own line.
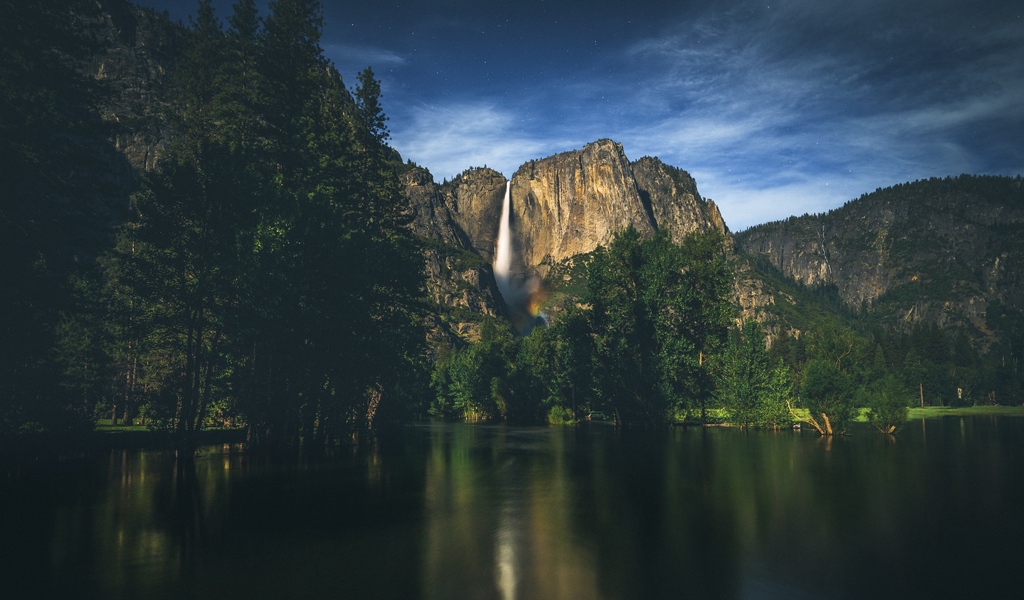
(461,511)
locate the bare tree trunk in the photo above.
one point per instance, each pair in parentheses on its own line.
(809,420)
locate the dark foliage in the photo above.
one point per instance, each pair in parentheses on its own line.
(265,274)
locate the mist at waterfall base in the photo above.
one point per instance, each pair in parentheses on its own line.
(524,294)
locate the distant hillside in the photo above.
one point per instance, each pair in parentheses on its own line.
(944,251)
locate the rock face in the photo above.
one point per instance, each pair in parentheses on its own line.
(459,282)
(138,48)
(124,55)
(751,299)
(134,53)
(938,251)
(571,203)
(474,199)
(430,215)
(673,200)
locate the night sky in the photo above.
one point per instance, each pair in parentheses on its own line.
(775,108)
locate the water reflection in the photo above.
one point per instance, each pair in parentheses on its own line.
(453,511)
(145,527)
(718,514)
(499,512)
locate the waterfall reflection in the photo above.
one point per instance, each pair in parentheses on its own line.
(499,502)
(509,539)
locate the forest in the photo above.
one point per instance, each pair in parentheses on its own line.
(264,277)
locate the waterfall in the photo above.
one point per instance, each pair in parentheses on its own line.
(503,251)
(525,297)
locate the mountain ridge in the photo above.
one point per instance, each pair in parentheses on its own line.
(936,250)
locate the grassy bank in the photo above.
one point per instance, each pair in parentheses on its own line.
(930,412)
(719,416)
(105,437)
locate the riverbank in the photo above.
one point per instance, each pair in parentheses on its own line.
(105,437)
(139,437)
(720,417)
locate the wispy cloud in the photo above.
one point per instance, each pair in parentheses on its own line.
(350,59)
(772,123)
(449,138)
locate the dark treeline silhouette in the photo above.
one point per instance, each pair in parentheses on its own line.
(264,274)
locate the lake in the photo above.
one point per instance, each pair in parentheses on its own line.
(473,511)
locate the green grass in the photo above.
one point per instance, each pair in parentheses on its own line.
(106,427)
(930,412)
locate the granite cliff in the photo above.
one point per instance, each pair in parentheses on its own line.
(570,203)
(562,207)
(474,200)
(136,52)
(84,114)
(459,281)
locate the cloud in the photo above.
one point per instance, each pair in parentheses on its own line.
(350,59)
(789,111)
(449,138)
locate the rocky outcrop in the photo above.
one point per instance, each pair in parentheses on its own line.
(141,49)
(430,215)
(474,199)
(571,203)
(136,49)
(118,57)
(562,207)
(673,200)
(752,300)
(459,282)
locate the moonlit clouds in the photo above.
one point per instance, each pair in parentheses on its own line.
(773,123)
(449,138)
(350,58)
